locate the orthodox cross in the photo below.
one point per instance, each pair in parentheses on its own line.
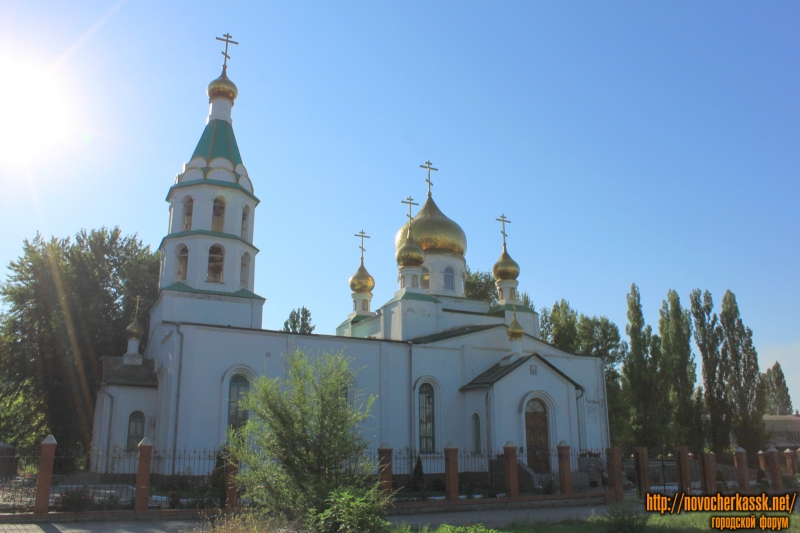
(137,306)
(410,202)
(503,220)
(363,236)
(227,41)
(428,166)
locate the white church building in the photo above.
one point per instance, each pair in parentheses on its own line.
(444,369)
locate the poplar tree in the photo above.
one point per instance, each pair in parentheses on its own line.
(675,328)
(708,336)
(746,394)
(778,401)
(645,385)
(299,321)
(559,326)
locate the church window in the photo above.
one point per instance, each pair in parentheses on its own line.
(426,278)
(188,207)
(183,262)
(218,218)
(216,258)
(402,282)
(415,281)
(449,279)
(237,416)
(135,430)
(244,278)
(537,439)
(365,305)
(245,221)
(426,421)
(476,433)
(354,306)
(500,291)
(512,294)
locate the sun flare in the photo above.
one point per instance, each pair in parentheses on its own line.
(35,117)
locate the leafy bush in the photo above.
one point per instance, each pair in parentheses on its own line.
(74,500)
(352,511)
(625,518)
(476,528)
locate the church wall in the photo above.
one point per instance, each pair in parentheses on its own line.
(208,309)
(452,320)
(111,428)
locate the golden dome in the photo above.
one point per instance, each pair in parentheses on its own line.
(134,329)
(410,254)
(222,87)
(515,330)
(505,268)
(434,232)
(361,282)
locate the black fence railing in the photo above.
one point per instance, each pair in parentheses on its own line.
(93,480)
(18,475)
(188,479)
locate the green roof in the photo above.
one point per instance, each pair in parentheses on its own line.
(241,293)
(218,140)
(436,337)
(511,307)
(216,183)
(355,320)
(413,296)
(494,374)
(217,234)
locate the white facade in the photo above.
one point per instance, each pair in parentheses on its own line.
(206,335)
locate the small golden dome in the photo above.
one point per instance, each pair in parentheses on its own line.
(410,254)
(435,233)
(361,282)
(505,268)
(515,330)
(222,87)
(134,329)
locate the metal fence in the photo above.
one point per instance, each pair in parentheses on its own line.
(187,479)
(18,475)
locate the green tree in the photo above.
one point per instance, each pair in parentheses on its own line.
(299,322)
(480,285)
(67,305)
(708,336)
(675,328)
(559,326)
(743,376)
(304,439)
(778,401)
(22,417)
(645,385)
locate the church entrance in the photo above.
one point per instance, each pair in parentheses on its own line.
(537,439)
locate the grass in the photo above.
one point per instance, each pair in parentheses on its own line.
(683,523)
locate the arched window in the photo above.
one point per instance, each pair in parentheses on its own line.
(449,279)
(415,281)
(245,221)
(216,258)
(354,306)
(500,291)
(537,439)
(365,305)
(476,433)
(426,278)
(402,280)
(188,207)
(512,294)
(426,422)
(182,266)
(239,386)
(135,430)
(244,277)
(218,217)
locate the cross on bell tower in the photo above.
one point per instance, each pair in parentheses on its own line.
(227,41)
(428,167)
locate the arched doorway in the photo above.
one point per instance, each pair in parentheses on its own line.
(537,439)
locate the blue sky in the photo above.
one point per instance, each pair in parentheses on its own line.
(646,142)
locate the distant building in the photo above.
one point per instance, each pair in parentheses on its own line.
(783,430)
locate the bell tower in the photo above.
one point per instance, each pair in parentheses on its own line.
(208,258)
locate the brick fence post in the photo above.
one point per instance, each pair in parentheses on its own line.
(642,470)
(512,476)
(684,469)
(451,472)
(708,467)
(231,484)
(614,458)
(45,477)
(788,455)
(385,473)
(142,494)
(775,474)
(743,472)
(762,462)
(564,470)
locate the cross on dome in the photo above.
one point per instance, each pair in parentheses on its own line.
(410,202)
(503,220)
(138,299)
(227,41)
(428,166)
(363,236)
